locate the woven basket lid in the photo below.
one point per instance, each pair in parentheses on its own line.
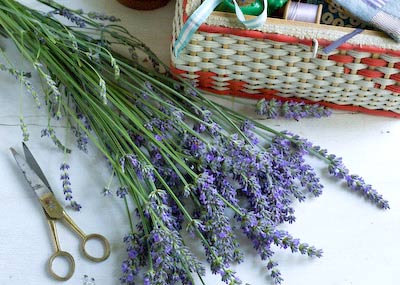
(144,4)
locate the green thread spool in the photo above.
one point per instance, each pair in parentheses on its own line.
(274,5)
(251,7)
(248,7)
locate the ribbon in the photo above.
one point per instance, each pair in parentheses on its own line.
(201,14)
(342,40)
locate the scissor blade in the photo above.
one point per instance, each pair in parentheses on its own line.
(46,197)
(36,183)
(34,165)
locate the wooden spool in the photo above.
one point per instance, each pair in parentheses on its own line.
(144,4)
(290,4)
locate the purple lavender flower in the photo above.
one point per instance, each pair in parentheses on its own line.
(167,252)
(290,109)
(66,185)
(75,206)
(295,164)
(103,17)
(122,192)
(270,108)
(337,169)
(193,145)
(137,139)
(136,248)
(45,133)
(263,234)
(82,141)
(71,16)
(217,228)
(200,128)
(276,276)
(82,138)
(106,192)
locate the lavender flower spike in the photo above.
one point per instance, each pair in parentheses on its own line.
(66,185)
(290,109)
(337,169)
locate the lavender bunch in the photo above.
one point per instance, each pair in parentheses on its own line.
(190,166)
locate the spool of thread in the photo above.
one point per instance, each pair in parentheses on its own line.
(248,7)
(303,12)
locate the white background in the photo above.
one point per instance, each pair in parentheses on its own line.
(360,242)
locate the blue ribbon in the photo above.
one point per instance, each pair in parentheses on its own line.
(200,16)
(341,41)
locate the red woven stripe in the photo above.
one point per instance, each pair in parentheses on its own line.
(395,77)
(269,94)
(393,88)
(205,79)
(374,61)
(394,52)
(263,93)
(371,49)
(176,70)
(370,73)
(236,87)
(341,58)
(282,38)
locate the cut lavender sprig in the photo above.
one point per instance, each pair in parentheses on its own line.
(290,109)
(66,186)
(23,78)
(103,17)
(355,182)
(24,128)
(70,15)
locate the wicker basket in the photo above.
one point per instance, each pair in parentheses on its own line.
(277,60)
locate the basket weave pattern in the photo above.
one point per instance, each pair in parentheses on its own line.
(256,64)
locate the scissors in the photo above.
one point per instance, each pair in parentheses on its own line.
(54,211)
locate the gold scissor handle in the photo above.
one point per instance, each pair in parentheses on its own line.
(63,254)
(85,238)
(71,264)
(104,242)
(59,253)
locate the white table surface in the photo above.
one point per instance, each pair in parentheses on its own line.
(360,242)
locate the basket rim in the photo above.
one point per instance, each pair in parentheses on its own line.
(294,31)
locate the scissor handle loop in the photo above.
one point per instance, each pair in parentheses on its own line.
(104,242)
(71,264)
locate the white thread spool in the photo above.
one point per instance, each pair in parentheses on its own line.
(303,12)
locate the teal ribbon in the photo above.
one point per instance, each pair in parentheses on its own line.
(200,16)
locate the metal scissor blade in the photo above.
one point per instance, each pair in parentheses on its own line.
(46,197)
(36,183)
(34,165)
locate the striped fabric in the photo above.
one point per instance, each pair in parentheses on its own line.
(388,24)
(376,4)
(382,14)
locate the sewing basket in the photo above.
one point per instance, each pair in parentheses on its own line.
(280,60)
